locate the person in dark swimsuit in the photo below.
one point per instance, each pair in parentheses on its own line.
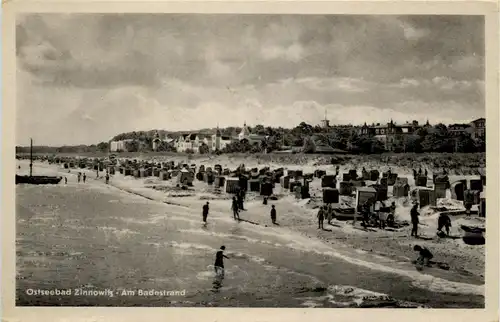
(273,214)
(444,221)
(235,207)
(219,261)
(414,220)
(321,217)
(424,255)
(205,212)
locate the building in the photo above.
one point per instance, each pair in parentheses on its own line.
(119,146)
(478,128)
(245,134)
(459,129)
(192,141)
(387,133)
(156,141)
(219,141)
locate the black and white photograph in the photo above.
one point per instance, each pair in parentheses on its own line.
(250,160)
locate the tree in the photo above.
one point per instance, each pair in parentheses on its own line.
(465,144)
(413,143)
(480,145)
(438,139)
(309,145)
(103,147)
(132,146)
(204,149)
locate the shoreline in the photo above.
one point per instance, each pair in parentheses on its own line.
(390,248)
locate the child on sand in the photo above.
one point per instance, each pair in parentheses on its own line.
(273,215)
(424,255)
(219,262)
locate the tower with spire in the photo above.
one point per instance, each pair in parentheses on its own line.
(325,123)
(245,132)
(156,141)
(216,141)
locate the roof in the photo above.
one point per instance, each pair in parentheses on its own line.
(366,189)
(463,126)
(245,130)
(257,137)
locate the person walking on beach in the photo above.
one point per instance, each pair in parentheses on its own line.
(383,214)
(321,217)
(329,214)
(219,262)
(205,212)
(84,177)
(468,207)
(414,220)
(107,178)
(273,214)
(65,180)
(365,212)
(79,176)
(392,215)
(241,199)
(235,208)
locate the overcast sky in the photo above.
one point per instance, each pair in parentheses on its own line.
(83,78)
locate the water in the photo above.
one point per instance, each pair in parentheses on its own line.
(97,238)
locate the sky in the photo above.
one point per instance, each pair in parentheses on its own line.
(83,78)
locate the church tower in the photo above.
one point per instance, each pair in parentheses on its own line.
(325,123)
(218,136)
(156,141)
(245,132)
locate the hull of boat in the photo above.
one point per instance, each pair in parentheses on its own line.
(37,179)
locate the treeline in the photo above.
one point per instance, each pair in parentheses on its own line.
(309,138)
(101,147)
(304,137)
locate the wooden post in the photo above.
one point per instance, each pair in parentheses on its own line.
(31,157)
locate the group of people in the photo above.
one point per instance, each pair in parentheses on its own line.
(444,221)
(236,207)
(82,176)
(381,214)
(419,172)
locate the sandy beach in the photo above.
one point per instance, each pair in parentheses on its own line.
(383,251)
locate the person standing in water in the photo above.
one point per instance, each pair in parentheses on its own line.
(273,214)
(219,262)
(235,208)
(84,177)
(205,212)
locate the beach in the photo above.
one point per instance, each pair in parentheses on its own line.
(145,234)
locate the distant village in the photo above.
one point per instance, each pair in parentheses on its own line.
(385,133)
